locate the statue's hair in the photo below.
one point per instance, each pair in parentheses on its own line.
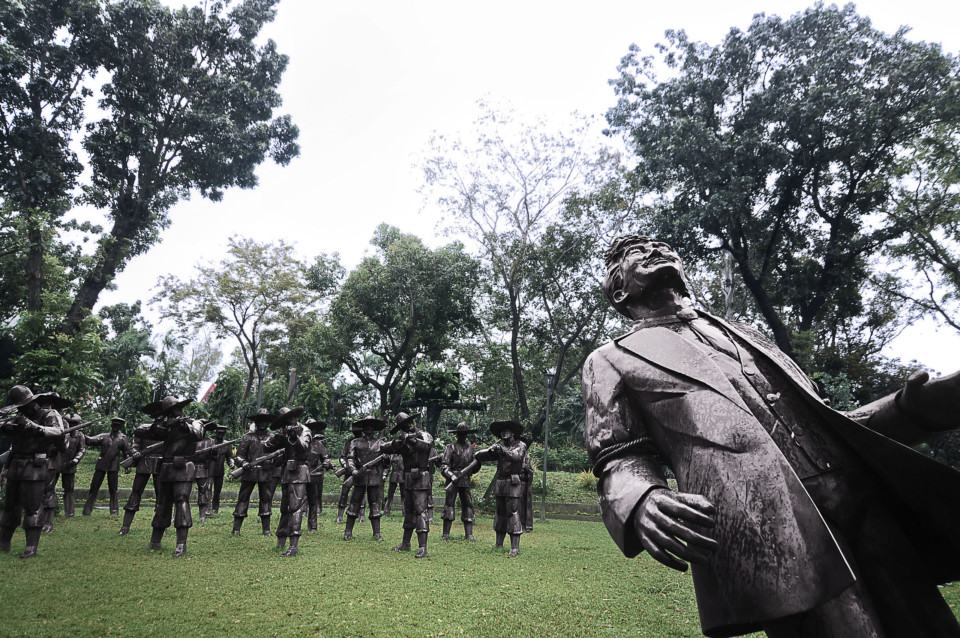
(617,251)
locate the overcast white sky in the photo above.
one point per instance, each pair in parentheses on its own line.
(368,83)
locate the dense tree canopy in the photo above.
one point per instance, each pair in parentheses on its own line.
(782,148)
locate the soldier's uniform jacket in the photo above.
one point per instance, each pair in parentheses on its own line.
(295,442)
(416,453)
(180,437)
(509,468)
(30,444)
(396,469)
(317,455)
(200,461)
(149,463)
(75,446)
(455,458)
(218,458)
(251,448)
(362,451)
(111,445)
(345,451)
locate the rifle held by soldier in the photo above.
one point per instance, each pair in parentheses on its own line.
(246,467)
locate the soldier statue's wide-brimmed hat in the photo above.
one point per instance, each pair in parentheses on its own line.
(261,415)
(286,416)
(316,426)
(208,425)
(499,426)
(220,426)
(164,406)
(402,419)
(369,423)
(20,396)
(462,428)
(73,418)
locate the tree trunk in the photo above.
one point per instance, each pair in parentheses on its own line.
(34,263)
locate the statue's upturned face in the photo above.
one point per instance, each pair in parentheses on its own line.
(650,265)
(506,435)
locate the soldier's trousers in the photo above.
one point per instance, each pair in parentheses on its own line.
(265,490)
(314,499)
(217,487)
(204,494)
(374,494)
(506,518)
(50,490)
(527,518)
(95,484)
(344,497)
(22,497)
(293,496)
(415,510)
(466,505)
(173,502)
(68,481)
(140,480)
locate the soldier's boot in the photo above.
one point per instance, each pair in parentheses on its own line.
(68,505)
(514,544)
(404,545)
(281,541)
(340,514)
(127,519)
(500,537)
(88,505)
(312,521)
(6,535)
(114,504)
(362,518)
(265,522)
(47,520)
(155,537)
(446,529)
(237,524)
(375,523)
(468,531)
(181,547)
(294,546)
(33,539)
(422,542)
(348,532)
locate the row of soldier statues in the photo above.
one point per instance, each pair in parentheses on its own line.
(175,452)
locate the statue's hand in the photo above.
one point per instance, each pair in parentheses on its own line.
(935,403)
(664,521)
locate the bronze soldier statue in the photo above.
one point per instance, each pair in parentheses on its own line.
(456,457)
(294,439)
(180,435)
(799,520)
(259,476)
(318,460)
(201,463)
(223,454)
(345,486)
(113,445)
(36,427)
(416,448)
(508,490)
(146,456)
(396,479)
(527,479)
(66,463)
(365,463)
(75,448)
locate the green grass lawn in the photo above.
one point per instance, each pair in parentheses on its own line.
(569,580)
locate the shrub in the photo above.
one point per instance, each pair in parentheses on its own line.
(587,480)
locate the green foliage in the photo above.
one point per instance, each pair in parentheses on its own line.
(587,480)
(50,360)
(226,404)
(405,303)
(782,147)
(436,382)
(563,458)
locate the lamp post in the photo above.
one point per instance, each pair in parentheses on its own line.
(262,369)
(548,378)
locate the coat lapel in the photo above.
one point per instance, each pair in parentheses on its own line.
(666,349)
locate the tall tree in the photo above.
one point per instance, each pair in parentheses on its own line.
(781,147)
(189,106)
(249,295)
(406,303)
(505,191)
(50,49)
